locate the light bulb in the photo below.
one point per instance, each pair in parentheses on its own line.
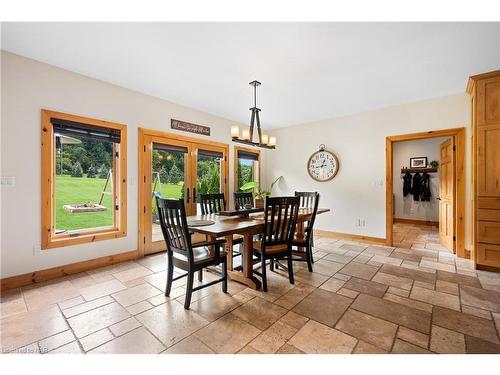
(235,131)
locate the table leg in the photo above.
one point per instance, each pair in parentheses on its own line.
(300,233)
(229,251)
(246,277)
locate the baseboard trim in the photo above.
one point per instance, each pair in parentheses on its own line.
(349,236)
(417,222)
(61,271)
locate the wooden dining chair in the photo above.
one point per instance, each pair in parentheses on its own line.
(182,254)
(308,200)
(280,219)
(243,198)
(212,203)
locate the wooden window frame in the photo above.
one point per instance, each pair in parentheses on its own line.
(235,165)
(119,229)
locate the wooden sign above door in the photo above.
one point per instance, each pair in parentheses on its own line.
(189,127)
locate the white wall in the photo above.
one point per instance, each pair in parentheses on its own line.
(27,87)
(358,190)
(407,207)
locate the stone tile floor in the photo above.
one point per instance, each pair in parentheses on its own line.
(416,297)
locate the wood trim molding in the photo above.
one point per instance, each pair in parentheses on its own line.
(349,236)
(235,164)
(472,79)
(416,222)
(162,134)
(459,136)
(61,271)
(49,240)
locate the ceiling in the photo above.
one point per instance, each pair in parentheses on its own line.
(309,71)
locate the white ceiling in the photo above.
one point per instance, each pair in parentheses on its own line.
(309,71)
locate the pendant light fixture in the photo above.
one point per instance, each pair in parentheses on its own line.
(264,140)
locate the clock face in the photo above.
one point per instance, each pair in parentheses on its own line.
(323,166)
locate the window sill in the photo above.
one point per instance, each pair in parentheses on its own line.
(83,237)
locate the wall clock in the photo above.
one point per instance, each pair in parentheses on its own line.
(323,165)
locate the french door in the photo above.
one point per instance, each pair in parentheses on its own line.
(176,167)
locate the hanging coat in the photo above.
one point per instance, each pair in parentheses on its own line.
(416,186)
(425,190)
(406,184)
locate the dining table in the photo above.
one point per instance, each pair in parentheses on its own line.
(246,226)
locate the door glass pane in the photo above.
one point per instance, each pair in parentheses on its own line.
(208,175)
(168,177)
(247,171)
(83,183)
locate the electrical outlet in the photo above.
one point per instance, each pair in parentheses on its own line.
(363,222)
(8,181)
(37,249)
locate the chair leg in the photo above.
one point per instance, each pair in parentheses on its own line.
(200,275)
(290,268)
(224,275)
(309,258)
(170,276)
(271,265)
(189,290)
(263,271)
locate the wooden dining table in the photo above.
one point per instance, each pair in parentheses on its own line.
(228,226)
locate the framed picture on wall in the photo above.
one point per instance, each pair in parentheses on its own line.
(420,162)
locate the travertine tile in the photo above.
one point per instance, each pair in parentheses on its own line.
(135,294)
(413,337)
(485,314)
(87,306)
(446,341)
(260,313)
(295,295)
(446,287)
(97,319)
(323,306)
(227,334)
(138,341)
(71,348)
(332,284)
(435,298)
(102,289)
(477,346)
(378,250)
(327,267)
(360,270)
(408,273)
(25,328)
(368,328)
(386,259)
(124,326)
(216,305)
(316,338)
(41,296)
(273,338)
(132,273)
(12,302)
(56,341)
(95,339)
(480,298)
(289,349)
(190,345)
(352,247)
(403,347)
(139,307)
(408,302)
(294,320)
(367,287)
(170,322)
(393,312)
(464,323)
(71,302)
(366,348)
(394,281)
(398,292)
(458,279)
(339,258)
(310,278)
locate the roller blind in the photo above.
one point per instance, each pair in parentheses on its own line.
(169,148)
(247,155)
(212,154)
(85,131)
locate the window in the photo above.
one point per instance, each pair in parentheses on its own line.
(83,180)
(246,167)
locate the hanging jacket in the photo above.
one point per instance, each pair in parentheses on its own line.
(416,186)
(425,190)
(406,184)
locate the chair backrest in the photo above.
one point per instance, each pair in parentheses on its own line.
(280,216)
(243,198)
(172,214)
(309,200)
(212,203)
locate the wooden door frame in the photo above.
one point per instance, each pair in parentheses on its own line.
(459,192)
(145,175)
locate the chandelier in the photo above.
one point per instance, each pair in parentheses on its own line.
(247,135)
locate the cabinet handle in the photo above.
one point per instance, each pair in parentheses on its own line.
(187,195)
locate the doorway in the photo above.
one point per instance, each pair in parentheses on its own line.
(177,167)
(452,190)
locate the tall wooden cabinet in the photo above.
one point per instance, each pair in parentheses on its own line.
(485,96)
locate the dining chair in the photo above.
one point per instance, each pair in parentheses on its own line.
(243,198)
(182,254)
(307,200)
(215,202)
(280,219)
(212,203)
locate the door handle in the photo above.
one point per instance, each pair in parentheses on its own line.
(438,198)
(187,196)
(194,195)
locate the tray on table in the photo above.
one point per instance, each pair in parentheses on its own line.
(241,212)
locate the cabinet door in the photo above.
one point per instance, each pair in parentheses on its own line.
(488,161)
(488,101)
